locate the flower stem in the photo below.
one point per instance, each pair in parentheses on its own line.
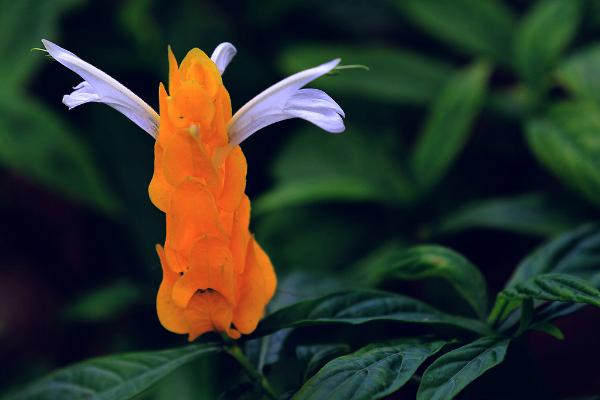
(241,358)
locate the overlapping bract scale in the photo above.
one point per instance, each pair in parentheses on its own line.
(215,276)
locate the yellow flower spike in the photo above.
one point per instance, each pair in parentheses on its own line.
(216,277)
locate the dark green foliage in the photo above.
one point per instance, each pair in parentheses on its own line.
(116,377)
(542,35)
(479,27)
(473,136)
(449,122)
(422,262)
(372,372)
(316,356)
(453,371)
(395,75)
(19,37)
(565,141)
(576,252)
(577,73)
(556,287)
(531,214)
(359,307)
(35,143)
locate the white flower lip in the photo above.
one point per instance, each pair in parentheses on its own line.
(223,55)
(101,88)
(286,99)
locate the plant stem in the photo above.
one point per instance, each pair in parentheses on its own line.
(264,344)
(241,358)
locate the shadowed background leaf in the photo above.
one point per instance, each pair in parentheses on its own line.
(18,38)
(477,27)
(542,35)
(566,141)
(35,143)
(395,75)
(444,134)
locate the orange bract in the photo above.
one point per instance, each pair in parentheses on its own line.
(215,276)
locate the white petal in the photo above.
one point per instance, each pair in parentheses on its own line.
(101,88)
(285,100)
(315,98)
(83,93)
(223,55)
(318,107)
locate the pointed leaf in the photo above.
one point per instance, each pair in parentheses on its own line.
(578,73)
(560,288)
(576,252)
(478,27)
(548,328)
(556,287)
(430,261)
(565,142)
(116,377)
(359,307)
(453,371)
(542,35)
(373,372)
(448,125)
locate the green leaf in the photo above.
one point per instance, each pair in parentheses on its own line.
(578,73)
(352,167)
(556,310)
(34,143)
(576,252)
(22,24)
(116,377)
(453,371)
(104,303)
(556,287)
(531,214)
(316,356)
(548,328)
(448,124)
(526,316)
(475,26)
(543,34)
(561,288)
(373,372)
(359,307)
(395,75)
(567,142)
(429,261)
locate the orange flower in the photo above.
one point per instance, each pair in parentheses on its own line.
(216,277)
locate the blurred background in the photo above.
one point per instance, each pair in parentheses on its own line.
(508,88)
